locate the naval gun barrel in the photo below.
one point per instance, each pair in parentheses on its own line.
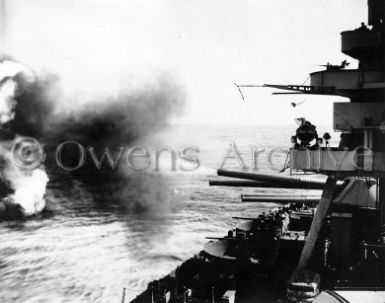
(280,199)
(277,181)
(245,183)
(245,218)
(221,238)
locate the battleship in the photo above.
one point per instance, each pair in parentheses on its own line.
(325,248)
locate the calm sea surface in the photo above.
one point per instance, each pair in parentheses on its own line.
(93,242)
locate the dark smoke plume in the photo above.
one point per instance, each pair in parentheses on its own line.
(103,121)
(119,119)
(35,105)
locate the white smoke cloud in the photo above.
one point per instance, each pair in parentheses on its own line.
(7,102)
(27,186)
(30,190)
(8,70)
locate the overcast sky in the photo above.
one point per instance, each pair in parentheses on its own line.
(206,44)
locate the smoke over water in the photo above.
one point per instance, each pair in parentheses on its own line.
(119,118)
(37,106)
(118,122)
(23,187)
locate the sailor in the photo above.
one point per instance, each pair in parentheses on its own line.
(344,64)
(305,134)
(363,27)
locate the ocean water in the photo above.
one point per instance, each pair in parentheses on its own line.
(92,243)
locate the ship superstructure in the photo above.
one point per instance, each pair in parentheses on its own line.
(312,248)
(360,155)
